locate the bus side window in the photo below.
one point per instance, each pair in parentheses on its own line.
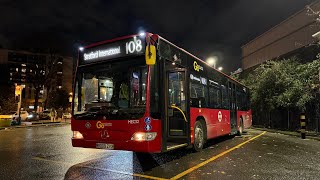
(214,97)
(225,97)
(239,101)
(194,102)
(198,95)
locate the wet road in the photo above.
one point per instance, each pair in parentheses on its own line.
(46,153)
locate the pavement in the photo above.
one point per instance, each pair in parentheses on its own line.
(309,134)
(38,123)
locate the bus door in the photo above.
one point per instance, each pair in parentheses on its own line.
(176,105)
(233,110)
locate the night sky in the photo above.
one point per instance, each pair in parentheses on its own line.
(205,28)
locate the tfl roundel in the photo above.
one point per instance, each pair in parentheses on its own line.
(147,120)
(148,127)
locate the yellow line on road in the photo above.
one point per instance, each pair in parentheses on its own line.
(214,158)
(148,177)
(102,169)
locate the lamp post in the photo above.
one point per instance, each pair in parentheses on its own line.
(18,93)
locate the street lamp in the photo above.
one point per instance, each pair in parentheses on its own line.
(220,68)
(142,33)
(212,61)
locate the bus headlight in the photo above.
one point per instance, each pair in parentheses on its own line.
(144,136)
(77,135)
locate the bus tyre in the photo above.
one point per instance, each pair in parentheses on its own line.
(240,131)
(198,136)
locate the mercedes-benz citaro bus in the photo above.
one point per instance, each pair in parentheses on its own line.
(142,93)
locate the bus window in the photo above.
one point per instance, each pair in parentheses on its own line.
(90,88)
(118,93)
(198,93)
(106,89)
(239,100)
(135,88)
(138,86)
(176,92)
(75,99)
(225,97)
(215,97)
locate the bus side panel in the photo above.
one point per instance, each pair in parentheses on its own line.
(217,125)
(246,117)
(248,122)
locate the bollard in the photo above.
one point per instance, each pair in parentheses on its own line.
(303,125)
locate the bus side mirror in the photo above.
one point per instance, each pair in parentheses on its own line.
(151,55)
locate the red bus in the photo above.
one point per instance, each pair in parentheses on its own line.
(142,93)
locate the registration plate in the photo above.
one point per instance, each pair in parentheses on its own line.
(104,146)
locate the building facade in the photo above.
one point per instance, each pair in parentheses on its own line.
(293,36)
(32,70)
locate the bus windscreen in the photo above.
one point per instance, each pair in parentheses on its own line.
(114,91)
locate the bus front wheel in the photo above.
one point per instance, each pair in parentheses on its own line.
(198,136)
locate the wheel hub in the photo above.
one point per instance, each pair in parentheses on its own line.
(199,136)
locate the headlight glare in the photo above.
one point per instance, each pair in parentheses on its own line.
(144,136)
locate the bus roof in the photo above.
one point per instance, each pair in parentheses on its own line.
(109,41)
(129,36)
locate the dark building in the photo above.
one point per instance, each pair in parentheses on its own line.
(292,37)
(34,69)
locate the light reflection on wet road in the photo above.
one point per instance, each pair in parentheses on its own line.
(46,153)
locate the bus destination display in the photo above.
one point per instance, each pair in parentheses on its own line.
(121,48)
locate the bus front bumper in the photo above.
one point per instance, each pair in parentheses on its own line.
(130,145)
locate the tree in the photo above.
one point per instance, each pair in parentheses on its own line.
(38,81)
(58,99)
(44,75)
(284,85)
(51,75)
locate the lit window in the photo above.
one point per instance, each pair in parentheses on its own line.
(23,70)
(23,65)
(17,69)
(30,70)
(59,72)
(10,74)
(59,62)
(59,87)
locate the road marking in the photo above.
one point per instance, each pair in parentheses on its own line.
(214,158)
(101,169)
(148,177)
